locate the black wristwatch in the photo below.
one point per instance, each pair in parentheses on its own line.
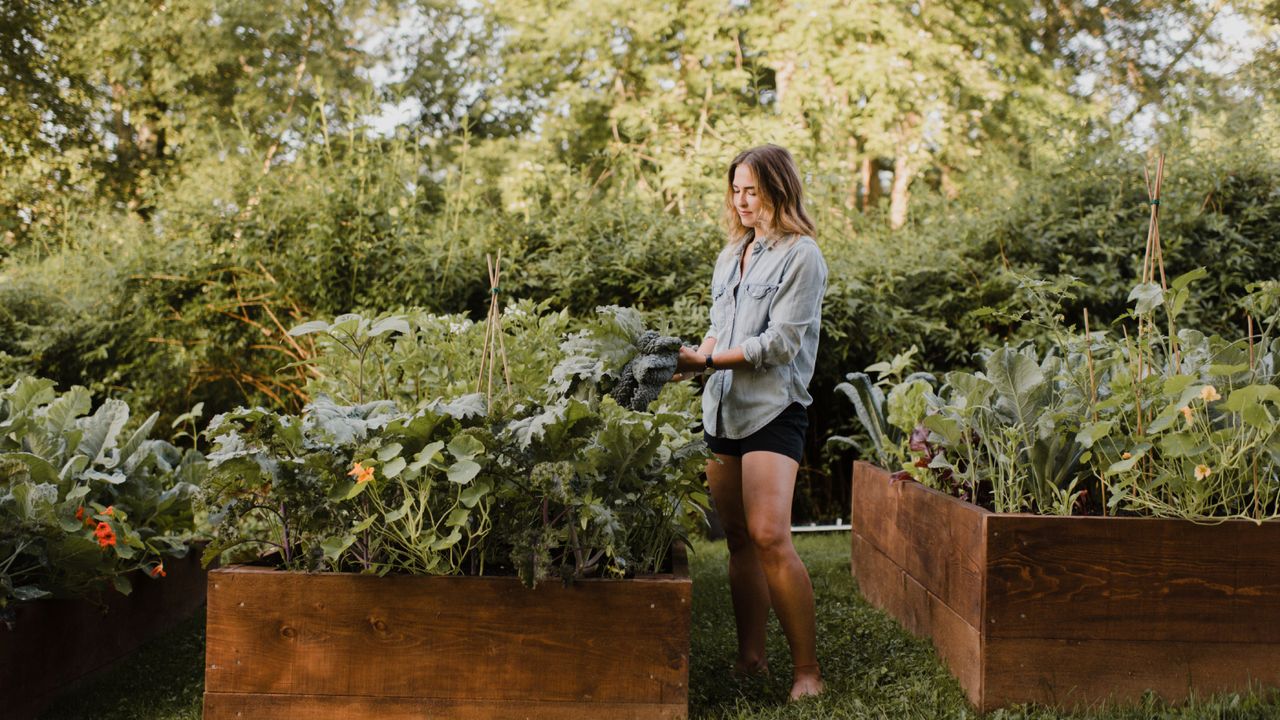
(711,364)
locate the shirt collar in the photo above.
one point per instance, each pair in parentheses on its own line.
(766,243)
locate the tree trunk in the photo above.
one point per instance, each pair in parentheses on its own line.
(870,178)
(900,192)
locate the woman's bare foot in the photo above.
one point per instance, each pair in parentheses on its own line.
(807,682)
(743,669)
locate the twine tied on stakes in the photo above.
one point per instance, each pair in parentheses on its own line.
(494,345)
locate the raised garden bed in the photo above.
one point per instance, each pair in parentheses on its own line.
(54,643)
(286,645)
(1070,611)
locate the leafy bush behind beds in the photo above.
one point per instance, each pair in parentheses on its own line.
(195,306)
(400,465)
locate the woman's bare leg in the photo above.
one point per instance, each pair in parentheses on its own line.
(768,483)
(747,584)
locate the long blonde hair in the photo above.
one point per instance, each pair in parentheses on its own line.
(781,195)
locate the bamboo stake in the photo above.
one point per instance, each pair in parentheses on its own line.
(1249,330)
(1093,401)
(494,344)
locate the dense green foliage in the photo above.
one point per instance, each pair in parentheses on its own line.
(408,468)
(197,197)
(1159,420)
(85,503)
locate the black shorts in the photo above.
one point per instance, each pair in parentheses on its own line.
(783,435)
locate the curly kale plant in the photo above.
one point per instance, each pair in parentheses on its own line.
(644,375)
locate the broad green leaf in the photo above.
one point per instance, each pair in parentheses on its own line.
(1183,444)
(335,546)
(458,517)
(1092,432)
(366,524)
(101,429)
(1186,278)
(463,471)
(1018,379)
(386,452)
(426,455)
(122,584)
(447,542)
(473,494)
(1176,384)
(390,324)
(309,327)
(1148,296)
(393,468)
(465,447)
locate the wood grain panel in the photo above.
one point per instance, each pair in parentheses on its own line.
(1085,673)
(1133,579)
(238,706)
(937,539)
(473,638)
(922,613)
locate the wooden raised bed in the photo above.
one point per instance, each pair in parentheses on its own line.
(1070,611)
(54,643)
(295,646)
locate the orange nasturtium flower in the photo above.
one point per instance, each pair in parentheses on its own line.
(106,536)
(1189,414)
(80,513)
(1203,471)
(1209,393)
(111,510)
(361,473)
(158,571)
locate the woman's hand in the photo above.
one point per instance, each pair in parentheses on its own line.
(690,361)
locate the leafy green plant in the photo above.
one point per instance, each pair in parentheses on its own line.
(1163,421)
(549,478)
(82,502)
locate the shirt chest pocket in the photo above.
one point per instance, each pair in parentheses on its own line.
(763,292)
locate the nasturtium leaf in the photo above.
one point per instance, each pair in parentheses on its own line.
(458,517)
(334,546)
(465,447)
(447,542)
(463,471)
(394,467)
(426,455)
(386,452)
(122,584)
(1182,444)
(473,494)
(367,523)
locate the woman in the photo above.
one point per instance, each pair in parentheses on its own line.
(766,311)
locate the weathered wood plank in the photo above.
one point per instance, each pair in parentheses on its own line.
(53,643)
(1085,673)
(937,539)
(922,613)
(239,706)
(466,638)
(1133,579)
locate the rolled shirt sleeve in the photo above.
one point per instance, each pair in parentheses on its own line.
(795,308)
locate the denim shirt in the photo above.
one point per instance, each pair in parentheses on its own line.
(773,312)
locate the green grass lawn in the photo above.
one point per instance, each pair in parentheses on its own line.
(873,668)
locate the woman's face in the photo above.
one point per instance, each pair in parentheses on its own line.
(745,198)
